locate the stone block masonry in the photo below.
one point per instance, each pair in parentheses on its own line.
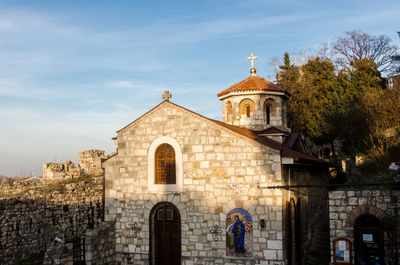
(60,170)
(221,172)
(34,213)
(345,206)
(90,162)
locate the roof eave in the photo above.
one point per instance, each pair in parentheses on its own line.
(253,92)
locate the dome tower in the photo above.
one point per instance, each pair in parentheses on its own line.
(255,103)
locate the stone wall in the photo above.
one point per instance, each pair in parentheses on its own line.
(257,120)
(34,213)
(58,253)
(222,171)
(345,206)
(90,162)
(100,245)
(60,170)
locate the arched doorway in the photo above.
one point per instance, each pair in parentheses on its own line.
(165,234)
(293,234)
(368,240)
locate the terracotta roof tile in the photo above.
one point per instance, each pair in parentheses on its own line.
(253,83)
(272,130)
(285,151)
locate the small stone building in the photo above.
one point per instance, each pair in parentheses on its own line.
(186,189)
(367,224)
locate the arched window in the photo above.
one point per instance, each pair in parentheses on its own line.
(268,114)
(248,111)
(270,110)
(229,111)
(246,107)
(165,165)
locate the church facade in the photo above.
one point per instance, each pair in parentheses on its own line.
(186,189)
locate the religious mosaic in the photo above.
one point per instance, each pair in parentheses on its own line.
(239,233)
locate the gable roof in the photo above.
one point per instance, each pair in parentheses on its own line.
(253,83)
(247,133)
(272,130)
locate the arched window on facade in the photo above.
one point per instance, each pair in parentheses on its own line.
(270,111)
(165,172)
(229,111)
(246,107)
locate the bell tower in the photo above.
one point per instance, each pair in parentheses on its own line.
(255,103)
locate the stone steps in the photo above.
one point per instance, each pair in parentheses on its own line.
(319,250)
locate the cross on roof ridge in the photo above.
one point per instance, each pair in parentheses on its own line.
(166,96)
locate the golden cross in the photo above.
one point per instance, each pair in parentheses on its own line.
(166,96)
(252,58)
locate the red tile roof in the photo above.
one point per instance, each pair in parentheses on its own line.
(248,133)
(253,83)
(285,151)
(272,130)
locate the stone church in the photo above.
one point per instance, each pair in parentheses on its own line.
(186,189)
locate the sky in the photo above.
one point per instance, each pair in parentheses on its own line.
(72,73)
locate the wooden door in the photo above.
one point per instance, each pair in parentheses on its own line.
(368,239)
(166,235)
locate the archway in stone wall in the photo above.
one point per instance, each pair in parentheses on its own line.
(165,234)
(375,237)
(293,232)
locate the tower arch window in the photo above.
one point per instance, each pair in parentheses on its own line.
(271,112)
(165,165)
(229,111)
(246,107)
(268,114)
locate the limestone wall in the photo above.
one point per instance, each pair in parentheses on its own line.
(34,213)
(100,245)
(59,254)
(221,171)
(345,206)
(60,170)
(90,162)
(257,120)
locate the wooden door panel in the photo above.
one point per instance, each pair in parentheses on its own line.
(167,236)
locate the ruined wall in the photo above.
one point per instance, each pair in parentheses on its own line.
(90,162)
(59,254)
(34,213)
(60,170)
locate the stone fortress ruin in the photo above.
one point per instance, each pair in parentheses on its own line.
(89,163)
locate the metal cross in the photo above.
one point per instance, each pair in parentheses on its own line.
(216,232)
(252,58)
(136,228)
(166,96)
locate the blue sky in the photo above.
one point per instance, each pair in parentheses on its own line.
(74,72)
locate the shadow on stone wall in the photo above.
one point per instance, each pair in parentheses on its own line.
(27,227)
